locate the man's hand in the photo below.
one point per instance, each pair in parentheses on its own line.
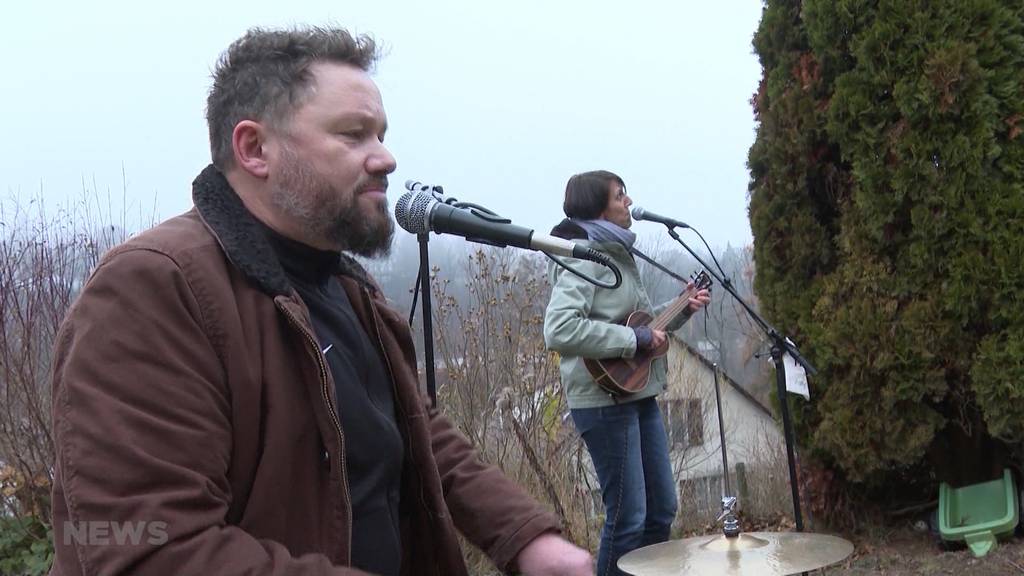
(551,555)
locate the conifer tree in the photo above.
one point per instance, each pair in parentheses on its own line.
(887,205)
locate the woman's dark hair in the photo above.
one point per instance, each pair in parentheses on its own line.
(586,194)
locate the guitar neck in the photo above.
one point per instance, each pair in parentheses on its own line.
(673,310)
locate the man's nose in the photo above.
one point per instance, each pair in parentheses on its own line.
(380,161)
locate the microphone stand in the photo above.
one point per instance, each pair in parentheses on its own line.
(780,346)
(423,288)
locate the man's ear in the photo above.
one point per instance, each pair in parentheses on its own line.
(248,140)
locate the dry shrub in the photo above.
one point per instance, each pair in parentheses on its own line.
(499,384)
(44,260)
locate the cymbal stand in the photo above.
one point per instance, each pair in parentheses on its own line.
(730,525)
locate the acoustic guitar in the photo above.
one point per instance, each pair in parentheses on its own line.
(624,376)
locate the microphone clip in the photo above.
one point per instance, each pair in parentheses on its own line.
(435,190)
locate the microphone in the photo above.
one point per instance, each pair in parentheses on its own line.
(420,212)
(641,214)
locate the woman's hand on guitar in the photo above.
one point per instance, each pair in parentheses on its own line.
(647,338)
(699,300)
(658,338)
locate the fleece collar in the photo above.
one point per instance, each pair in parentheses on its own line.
(243,241)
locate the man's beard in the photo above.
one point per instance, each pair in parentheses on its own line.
(328,214)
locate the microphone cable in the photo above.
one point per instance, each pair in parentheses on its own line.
(604,259)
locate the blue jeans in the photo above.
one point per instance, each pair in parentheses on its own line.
(629,448)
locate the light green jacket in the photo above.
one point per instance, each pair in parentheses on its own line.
(581,322)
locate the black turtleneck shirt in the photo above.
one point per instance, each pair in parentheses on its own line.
(366,405)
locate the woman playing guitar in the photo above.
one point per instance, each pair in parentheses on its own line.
(624,432)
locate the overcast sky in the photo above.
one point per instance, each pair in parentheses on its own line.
(499,102)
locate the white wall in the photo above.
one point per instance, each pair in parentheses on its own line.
(752,436)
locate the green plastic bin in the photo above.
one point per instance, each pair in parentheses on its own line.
(979,513)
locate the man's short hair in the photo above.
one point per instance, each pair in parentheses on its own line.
(265,76)
(586,194)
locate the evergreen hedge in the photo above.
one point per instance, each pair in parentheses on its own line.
(887,206)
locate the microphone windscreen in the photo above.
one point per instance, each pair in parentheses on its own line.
(411,212)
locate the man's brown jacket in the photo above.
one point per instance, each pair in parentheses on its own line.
(197,430)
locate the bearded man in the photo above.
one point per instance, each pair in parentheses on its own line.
(231,393)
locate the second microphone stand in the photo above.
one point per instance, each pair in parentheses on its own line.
(780,345)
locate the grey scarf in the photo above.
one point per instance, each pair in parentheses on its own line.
(605,231)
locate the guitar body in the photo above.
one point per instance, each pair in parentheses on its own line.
(624,376)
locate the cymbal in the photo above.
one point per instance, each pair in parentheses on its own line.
(760,553)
